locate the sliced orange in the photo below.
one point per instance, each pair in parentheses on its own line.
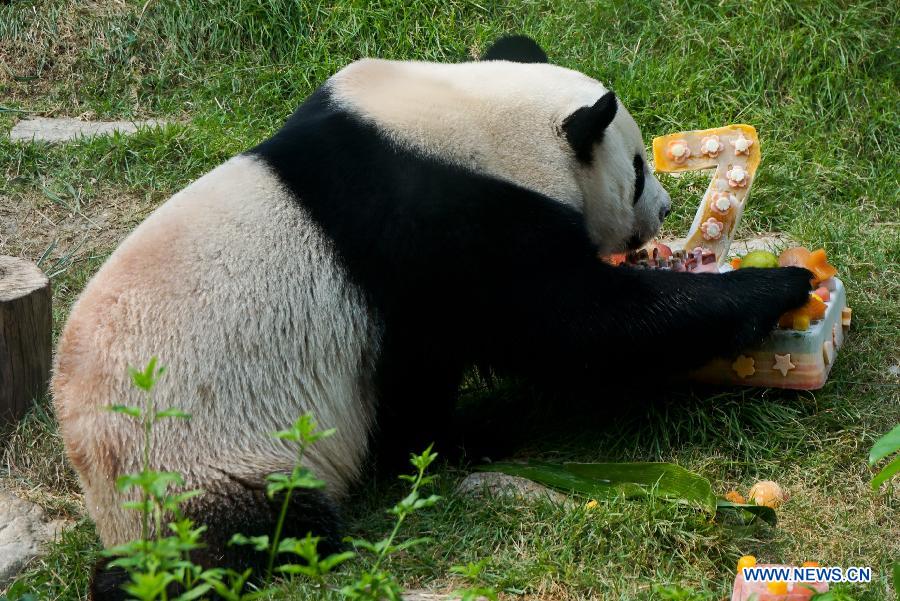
(813,310)
(794,257)
(815,307)
(819,265)
(777,588)
(815,261)
(735,497)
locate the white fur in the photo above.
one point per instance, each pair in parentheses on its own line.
(504,119)
(240,295)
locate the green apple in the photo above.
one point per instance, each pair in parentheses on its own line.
(759,258)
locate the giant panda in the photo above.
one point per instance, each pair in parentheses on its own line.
(409,220)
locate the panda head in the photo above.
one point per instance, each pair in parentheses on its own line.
(624,204)
(514,116)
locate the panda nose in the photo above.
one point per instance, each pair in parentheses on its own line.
(666,207)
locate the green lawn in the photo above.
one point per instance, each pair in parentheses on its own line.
(819,81)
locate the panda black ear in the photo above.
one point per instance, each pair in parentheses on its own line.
(517,49)
(585,127)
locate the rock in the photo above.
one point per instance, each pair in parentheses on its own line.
(61,129)
(496,484)
(24,530)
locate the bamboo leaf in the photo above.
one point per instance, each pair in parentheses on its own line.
(889,470)
(554,476)
(766,514)
(885,445)
(612,480)
(665,480)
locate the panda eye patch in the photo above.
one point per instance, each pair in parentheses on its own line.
(638,177)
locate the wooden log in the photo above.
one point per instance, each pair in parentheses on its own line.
(25,336)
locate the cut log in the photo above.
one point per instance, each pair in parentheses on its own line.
(25,336)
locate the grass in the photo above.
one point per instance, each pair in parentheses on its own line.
(819,80)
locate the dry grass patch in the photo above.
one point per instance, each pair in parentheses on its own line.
(70,234)
(33,465)
(42,51)
(63,225)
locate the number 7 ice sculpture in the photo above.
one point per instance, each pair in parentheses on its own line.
(734,153)
(800,353)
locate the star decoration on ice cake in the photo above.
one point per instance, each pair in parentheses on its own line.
(783,364)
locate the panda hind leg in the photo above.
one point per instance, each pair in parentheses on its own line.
(250,512)
(247,511)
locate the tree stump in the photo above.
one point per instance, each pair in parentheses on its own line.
(25,336)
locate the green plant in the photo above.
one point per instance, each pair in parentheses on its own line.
(472,573)
(304,432)
(884,447)
(376,583)
(158,564)
(673,592)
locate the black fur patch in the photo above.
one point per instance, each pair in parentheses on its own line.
(464,268)
(249,511)
(585,127)
(107,583)
(246,511)
(638,164)
(516,48)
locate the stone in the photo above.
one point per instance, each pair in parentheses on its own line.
(62,129)
(24,530)
(495,484)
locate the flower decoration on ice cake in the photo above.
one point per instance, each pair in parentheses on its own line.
(737,177)
(744,366)
(742,144)
(679,151)
(711,146)
(721,202)
(712,229)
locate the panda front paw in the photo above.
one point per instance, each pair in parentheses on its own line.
(767,294)
(785,288)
